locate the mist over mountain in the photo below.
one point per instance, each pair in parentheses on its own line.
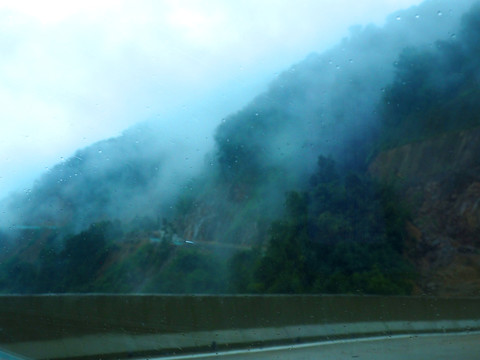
(136,174)
(355,172)
(326,104)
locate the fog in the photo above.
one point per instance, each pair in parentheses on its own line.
(322,105)
(76,73)
(328,104)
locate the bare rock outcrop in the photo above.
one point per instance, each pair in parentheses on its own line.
(440,180)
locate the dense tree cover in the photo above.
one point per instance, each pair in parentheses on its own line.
(190,271)
(105,259)
(345,234)
(70,268)
(250,145)
(239,147)
(342,232)
(436,89)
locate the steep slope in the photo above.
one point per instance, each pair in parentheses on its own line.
(136,174)
(327,105)
(433,109)
(440,179)
(323,105)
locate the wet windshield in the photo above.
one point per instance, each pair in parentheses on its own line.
(209,147)
(147,147)
(159,155)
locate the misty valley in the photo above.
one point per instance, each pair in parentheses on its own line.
(356,172)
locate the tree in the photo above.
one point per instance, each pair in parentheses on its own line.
(344,235)
(84,255)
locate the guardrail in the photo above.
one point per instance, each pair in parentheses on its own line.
(113,326)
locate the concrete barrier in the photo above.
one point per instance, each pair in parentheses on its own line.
(112,326)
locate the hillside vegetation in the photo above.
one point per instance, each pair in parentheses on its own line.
(294,197)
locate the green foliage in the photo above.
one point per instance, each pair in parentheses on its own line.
(283,267)
(84,254)
(435,90)
(104,259)
(470,32)
(51,271)
(18,276)
(132,272)
(190,271)
(239,145)
(344,235)
(241,271)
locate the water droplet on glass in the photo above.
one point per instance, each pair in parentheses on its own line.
(398,18)
(100,151)
(417,16)
(439,13)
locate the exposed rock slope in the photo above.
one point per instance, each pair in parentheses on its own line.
(440,180)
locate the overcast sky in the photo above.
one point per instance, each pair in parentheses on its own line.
(75,72)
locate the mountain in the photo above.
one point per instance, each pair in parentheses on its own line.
(301,190)
(440,180)
(136,174)
(431,137)
(326,105)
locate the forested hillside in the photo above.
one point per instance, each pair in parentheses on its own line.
(298,195)
(435,89)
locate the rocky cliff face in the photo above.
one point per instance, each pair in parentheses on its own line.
(440,180)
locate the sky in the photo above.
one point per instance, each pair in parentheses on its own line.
(73,73)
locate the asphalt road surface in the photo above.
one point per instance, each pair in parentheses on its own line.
(404,347)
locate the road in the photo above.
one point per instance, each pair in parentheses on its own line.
(8,356)
(416,347)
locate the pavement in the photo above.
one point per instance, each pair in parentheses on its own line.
(462,346)
(7,356)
